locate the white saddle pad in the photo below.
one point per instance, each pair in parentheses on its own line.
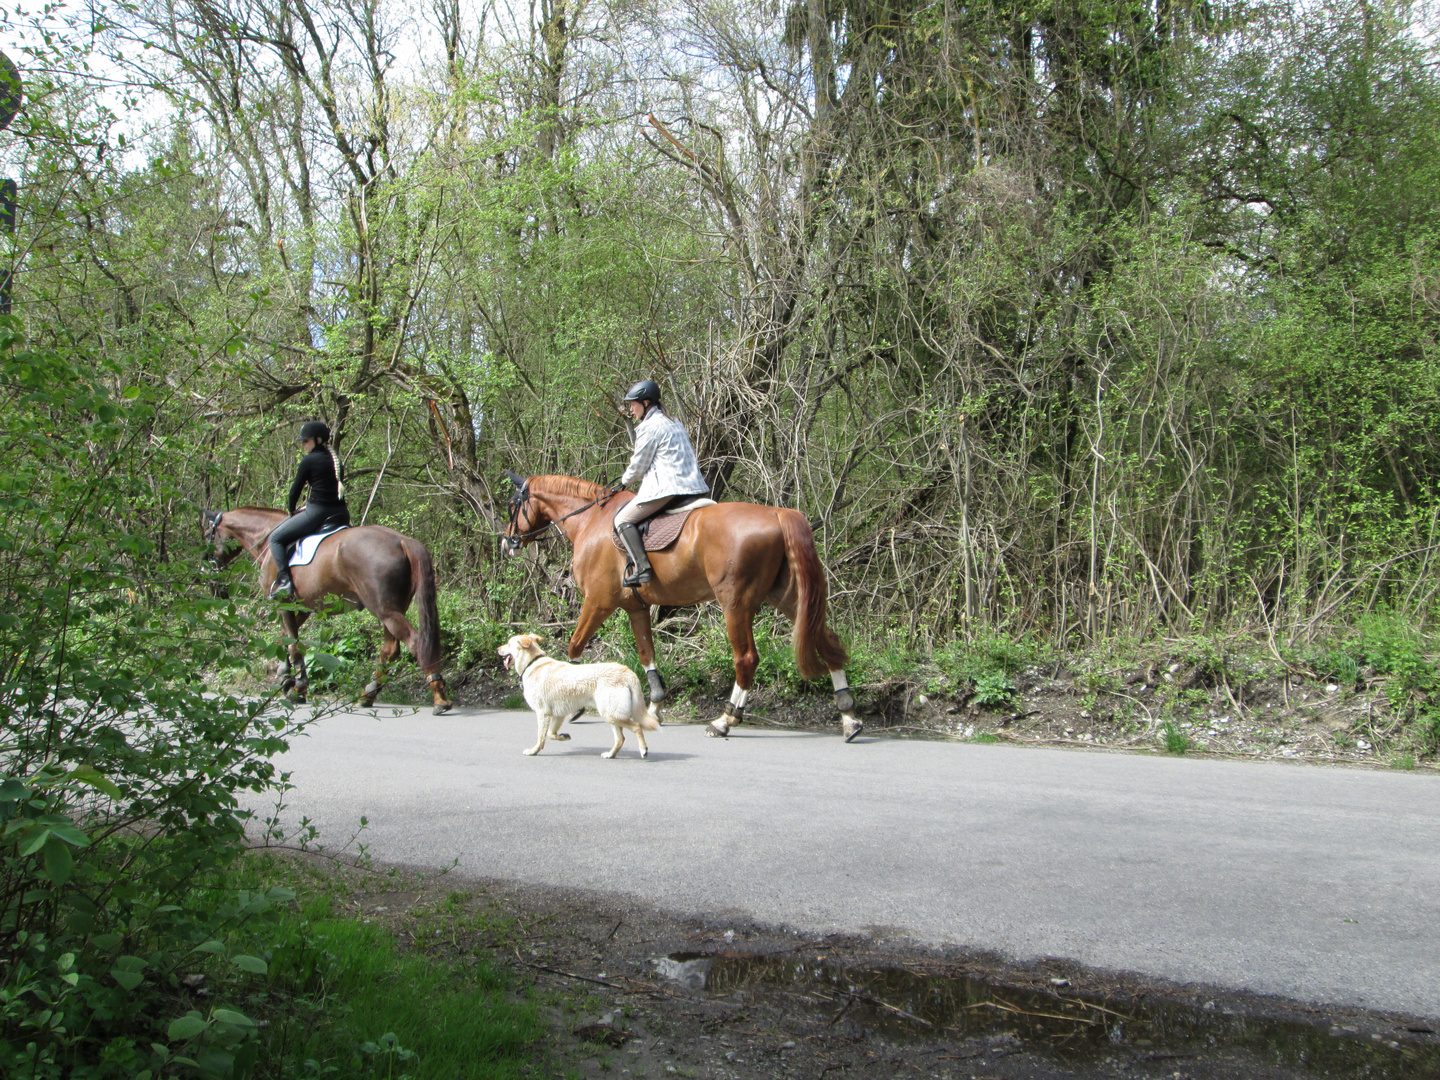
(688,507)
(306,548)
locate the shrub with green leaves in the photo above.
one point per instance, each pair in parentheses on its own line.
(993,689)
(121,777)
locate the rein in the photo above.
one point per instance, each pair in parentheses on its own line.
(257,552)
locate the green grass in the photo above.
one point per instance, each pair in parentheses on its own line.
(335,996)
(347,999)
(1176,741)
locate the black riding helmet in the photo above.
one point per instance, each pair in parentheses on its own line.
(644,390)
(314,429)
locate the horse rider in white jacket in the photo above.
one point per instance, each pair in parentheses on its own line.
(665,459)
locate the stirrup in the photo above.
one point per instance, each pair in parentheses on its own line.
(634,577)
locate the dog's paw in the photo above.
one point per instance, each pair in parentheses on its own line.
(609,753)
(560,736)
(531,752)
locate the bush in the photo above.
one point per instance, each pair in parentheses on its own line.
(122,777)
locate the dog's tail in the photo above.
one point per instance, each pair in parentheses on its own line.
(643,712)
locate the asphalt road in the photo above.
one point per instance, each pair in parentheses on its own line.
(1318,884)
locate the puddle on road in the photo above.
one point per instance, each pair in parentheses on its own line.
(906,1004)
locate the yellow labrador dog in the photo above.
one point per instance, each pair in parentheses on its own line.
(556,690)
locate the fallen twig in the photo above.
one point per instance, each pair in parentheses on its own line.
(1005,1006)
(570,975)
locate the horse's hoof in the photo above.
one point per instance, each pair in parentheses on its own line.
(300,699)
(851,727)
(366,702)
(716,730)
(442,708)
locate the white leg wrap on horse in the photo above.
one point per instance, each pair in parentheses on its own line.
(850,725)
(738,696)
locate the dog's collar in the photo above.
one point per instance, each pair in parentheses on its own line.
(520,673)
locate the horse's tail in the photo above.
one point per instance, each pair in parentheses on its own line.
(426,645)
(817,648)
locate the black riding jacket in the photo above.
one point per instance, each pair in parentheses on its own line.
(317,468)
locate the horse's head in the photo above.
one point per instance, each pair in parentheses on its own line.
(525,520)
(222,545)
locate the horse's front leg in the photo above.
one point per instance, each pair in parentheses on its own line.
(593,614)
(645,649)
(739,628)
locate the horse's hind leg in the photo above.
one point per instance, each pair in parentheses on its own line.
(739,628)
(388,649)
(398,628)
(833,653)
(294,674)
(440,696)
(850,724)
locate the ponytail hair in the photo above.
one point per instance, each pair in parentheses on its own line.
(339,469)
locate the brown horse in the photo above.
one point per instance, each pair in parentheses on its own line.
(739,554)
(370,566)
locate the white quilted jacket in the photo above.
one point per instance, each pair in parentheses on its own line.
(664,457)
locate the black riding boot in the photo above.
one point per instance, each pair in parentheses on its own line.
(638,571)
(284,588)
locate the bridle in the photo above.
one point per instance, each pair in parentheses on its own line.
(222,559)
(211,555)
(512,538)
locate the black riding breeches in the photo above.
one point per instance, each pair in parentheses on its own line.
(312,519)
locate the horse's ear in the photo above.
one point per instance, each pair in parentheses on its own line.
(213,516)
(518,481)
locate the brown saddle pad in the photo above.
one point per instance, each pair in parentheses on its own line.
(660,531)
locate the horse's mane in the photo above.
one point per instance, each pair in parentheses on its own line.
(567,485)
(261,509)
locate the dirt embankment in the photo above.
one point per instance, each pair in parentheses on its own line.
(632,991)
(1163,704)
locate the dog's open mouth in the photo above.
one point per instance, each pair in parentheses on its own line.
(505,661)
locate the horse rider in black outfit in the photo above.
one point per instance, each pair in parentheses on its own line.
(325,505)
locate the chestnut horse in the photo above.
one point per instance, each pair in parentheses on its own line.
(371,566)
(739,554)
